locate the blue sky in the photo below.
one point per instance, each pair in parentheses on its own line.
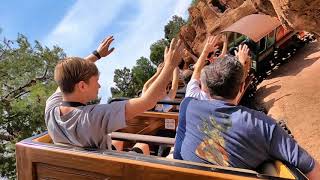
(79,26)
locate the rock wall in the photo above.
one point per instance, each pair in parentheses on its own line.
(299,14)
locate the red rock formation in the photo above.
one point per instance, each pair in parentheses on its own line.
(299,14)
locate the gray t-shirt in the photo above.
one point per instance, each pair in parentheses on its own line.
(85,126)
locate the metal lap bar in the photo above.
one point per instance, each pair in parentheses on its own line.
(159,102)
(143,138)
(169,102)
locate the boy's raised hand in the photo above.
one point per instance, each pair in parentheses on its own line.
(103,48)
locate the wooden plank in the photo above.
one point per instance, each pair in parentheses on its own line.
(24,163)
(152,127)
(46,171)
(149,122)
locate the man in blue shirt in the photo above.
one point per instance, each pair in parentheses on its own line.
(217,131)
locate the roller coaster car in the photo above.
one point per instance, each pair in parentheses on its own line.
(269,42)
(38,158)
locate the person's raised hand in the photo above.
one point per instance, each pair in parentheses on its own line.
(173,53)
(224,38)
(243,54)
(210,45)
(103,48)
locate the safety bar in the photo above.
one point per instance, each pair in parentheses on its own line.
(169,102)
(143,138)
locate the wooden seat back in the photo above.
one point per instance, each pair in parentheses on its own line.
(149,122)
(37,158)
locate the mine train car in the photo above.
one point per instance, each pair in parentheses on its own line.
(39,158)
(269,42)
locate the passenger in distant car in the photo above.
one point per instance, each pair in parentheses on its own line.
(197,87)
(217,53)
(170,93)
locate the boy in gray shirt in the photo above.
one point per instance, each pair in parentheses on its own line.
(70,121)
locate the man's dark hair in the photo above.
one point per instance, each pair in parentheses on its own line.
(223,77)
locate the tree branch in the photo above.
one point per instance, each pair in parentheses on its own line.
(21,90)
(6,137)
(21,94)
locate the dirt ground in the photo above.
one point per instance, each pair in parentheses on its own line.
(292,93)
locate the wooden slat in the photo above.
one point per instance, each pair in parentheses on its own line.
(24,163)
(152,127)
(149,122)
(46,171)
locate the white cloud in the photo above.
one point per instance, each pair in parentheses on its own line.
(81,25)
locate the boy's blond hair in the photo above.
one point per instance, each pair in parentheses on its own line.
(72,70)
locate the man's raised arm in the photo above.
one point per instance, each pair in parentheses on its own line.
(208,47)
(175,84)
(243,56)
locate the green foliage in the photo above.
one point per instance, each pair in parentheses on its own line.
(142,71)
(124,83)
(26,81)
(172,29)
(194,2)
(130,82)
(157,51)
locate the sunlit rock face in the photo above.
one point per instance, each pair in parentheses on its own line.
(299,14)
(211,16)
